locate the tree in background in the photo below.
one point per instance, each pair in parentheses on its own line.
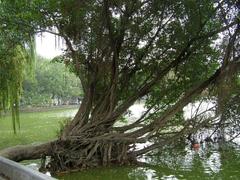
(52,84)
(122,51)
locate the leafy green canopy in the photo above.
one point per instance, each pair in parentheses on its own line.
(16,55)
(52,80)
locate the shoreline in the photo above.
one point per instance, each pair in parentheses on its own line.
(41,109)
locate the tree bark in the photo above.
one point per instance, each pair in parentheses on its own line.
(27,152)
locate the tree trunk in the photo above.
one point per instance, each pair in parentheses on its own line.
(27,152)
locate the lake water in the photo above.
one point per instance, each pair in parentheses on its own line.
(212,161)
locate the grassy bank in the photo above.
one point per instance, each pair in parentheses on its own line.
(36,127)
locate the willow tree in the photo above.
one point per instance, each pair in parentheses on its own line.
(123,51)
(16,57)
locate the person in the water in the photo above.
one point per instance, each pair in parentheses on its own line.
(194,142)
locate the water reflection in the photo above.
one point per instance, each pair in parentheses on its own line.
(211,161)
(142,173)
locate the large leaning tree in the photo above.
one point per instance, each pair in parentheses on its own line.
(169,53)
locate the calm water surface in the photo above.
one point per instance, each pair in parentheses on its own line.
(209,162)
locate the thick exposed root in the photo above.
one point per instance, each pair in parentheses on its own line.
(79,154)
(27,152)
(74,154)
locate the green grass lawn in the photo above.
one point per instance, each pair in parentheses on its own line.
(36,127)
